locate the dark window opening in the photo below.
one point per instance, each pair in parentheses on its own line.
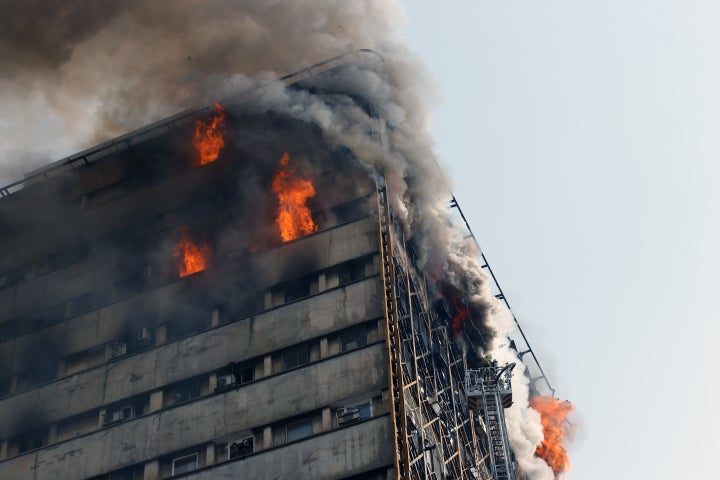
(353,338)
(233,375)
(297,289)
(30,441)
(130,473)
(185,391)
(5,386)
(351,210)
(297,430)
(243,372)
(351,271)
(296,356)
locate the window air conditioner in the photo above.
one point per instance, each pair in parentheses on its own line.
(224,382)
(347,415)
(118,415)
(118,349)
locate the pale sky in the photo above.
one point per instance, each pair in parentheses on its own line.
(582,141)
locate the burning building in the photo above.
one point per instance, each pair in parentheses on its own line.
(247,290)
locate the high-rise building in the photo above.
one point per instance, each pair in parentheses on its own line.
(157,321)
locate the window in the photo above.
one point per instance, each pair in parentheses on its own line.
(352,338)
(243,373)
(185,464)
(118,414)
(297,430)
(187,390)
(30,441)
(297,289)
(296,356)
(354,413)
(240,448)
(351,271)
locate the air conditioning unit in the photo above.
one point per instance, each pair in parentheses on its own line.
(118,349)
(118,415)
(144,336)
(224,382)
(347,415)
(240,448)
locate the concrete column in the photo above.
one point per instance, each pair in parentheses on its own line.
(268,299)
(215,320)
(322,283)
(101,418)
(210,454)
(267,437)
(156,401)
(324,350)
(332,280)
(326,419)
(161,334)
(268,365)
(152,470)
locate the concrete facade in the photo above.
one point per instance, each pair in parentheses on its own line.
(115,368)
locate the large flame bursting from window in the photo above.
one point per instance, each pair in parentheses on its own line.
(191,258)
(293,216)
(209,136)
(553,414)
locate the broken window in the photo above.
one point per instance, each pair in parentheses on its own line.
(184,464)
(240,448)
(297,430)
(352,338)
(296,356)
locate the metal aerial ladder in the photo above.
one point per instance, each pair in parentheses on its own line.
(489,391)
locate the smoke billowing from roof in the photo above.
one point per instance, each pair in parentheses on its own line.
(78,72)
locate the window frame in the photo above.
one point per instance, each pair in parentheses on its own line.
(302,423)
(185,457)
(296,353)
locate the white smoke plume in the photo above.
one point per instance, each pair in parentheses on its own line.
(79,72)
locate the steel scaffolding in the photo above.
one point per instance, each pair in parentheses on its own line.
(436,435)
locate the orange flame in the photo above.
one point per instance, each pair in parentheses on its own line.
(190,257)
(553,414)
(209,136)
(293,216)
(459,319)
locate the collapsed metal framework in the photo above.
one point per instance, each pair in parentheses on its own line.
(436,436)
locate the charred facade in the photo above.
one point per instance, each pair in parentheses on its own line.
(155,323)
